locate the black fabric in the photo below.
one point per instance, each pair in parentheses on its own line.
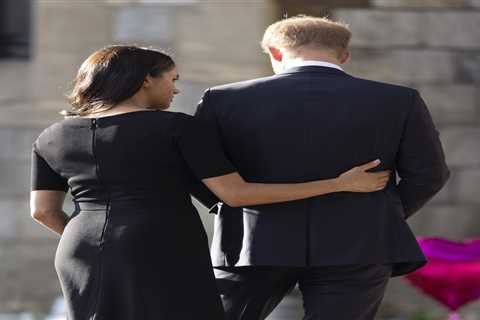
(200,147)
(414,161)
(135,247)
(311,123)
(44,177)
(329,292)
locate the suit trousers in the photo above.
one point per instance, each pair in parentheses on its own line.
(350,292)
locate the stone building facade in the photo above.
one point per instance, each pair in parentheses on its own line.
(432,45)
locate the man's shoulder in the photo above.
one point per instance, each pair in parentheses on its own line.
(380,86)
(244,85)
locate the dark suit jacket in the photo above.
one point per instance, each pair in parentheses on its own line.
(311,123)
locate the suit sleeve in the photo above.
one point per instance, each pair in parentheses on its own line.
(43,177)
(420,162)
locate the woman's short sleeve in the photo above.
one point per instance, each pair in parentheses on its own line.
(44,177)
(200,146)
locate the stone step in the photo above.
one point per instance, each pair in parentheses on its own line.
(437,4)
(407,28)
(407,66)
(451,104)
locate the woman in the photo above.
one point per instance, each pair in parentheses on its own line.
(135,248)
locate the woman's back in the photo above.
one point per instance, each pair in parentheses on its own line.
(126,156)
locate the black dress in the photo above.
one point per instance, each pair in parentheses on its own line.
(135,247)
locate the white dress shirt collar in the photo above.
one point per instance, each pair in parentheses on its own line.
(302,63)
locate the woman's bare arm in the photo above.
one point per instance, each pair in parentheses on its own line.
(236,192)
(46,207)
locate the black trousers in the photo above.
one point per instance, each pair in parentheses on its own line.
(329,293)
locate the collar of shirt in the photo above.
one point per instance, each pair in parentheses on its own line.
(302,63)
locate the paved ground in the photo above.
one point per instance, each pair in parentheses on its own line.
(289,309)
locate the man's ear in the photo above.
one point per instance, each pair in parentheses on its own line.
(275,54)
(345,57)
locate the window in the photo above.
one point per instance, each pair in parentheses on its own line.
(15,23)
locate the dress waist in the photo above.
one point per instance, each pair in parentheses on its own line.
(136,204)
(91,205)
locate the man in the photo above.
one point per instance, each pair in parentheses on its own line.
(311,120)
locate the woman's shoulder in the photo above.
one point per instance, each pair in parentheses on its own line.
(181,116)
(50,131)
(189,122)
(185,125)
(65,123)
(184,120)
(170,120)
(48,137)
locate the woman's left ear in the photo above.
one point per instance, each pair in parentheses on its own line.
(147,82)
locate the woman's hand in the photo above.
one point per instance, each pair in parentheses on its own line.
(358,179)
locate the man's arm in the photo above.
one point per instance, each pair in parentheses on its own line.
(420,162)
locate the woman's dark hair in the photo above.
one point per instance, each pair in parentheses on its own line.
(112,75)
